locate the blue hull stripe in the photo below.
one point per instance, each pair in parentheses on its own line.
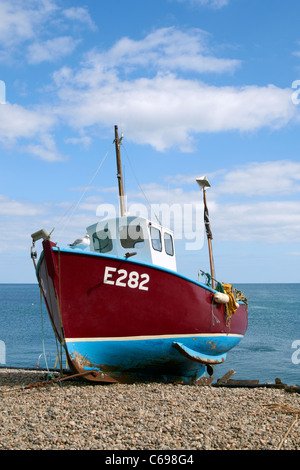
(153,355)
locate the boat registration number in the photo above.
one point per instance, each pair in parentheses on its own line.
(123,278)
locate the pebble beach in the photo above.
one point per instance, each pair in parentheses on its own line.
(77,415)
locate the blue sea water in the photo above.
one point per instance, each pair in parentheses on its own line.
(270,348)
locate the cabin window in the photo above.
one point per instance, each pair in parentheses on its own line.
(155,238)
(131,236)
(169,247)
(102,241)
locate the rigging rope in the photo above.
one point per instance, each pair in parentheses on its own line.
(139,184)
(74,206)
(43,339)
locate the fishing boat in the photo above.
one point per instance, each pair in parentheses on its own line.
(121,310)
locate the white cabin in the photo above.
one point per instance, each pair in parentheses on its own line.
(134,237)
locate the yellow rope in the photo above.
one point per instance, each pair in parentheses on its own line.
(231,307)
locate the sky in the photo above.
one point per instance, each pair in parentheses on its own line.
(196,87)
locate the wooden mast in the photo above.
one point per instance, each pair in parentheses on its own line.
(203,184)
(211,260)
(119,174)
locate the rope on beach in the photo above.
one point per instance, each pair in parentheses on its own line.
(59,379)
(285,409)
(288,431)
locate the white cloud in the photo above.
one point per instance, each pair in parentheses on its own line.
(51,50)
(256,219)
(45,150)
(158,104)
(166,111)
(18,122)
(143,84)
(208,3)
(271,222)
(252,180)
(18,125)
(19,20)
(27,22)
(250,219)
(81,15)
(12,207)
(263,179)
(166,49)
(85,141)
(253,218)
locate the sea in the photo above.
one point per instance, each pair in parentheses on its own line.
(269,350)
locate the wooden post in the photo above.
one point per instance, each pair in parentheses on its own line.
(119,174)
(211,261)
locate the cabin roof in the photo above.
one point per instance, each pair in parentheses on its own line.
(134,236)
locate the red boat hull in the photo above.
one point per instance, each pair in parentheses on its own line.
(105,301)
